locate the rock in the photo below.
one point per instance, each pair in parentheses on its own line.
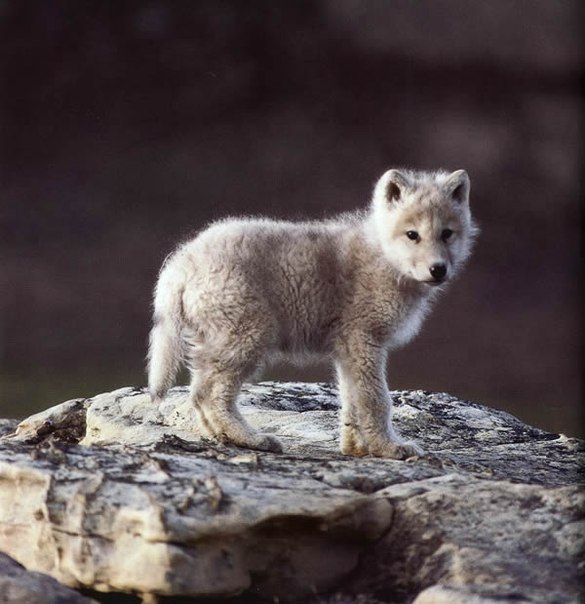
(486,540)
(7,426)
(19,586)
(115,494)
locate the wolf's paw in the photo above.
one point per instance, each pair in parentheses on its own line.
(351,442)
(265,442)
(353,450)
(402,450)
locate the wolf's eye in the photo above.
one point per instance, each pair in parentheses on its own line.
(413,235)
(446,234)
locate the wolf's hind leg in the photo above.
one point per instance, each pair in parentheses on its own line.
(214,395)
(218,373)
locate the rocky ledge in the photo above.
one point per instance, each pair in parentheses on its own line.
(115,494)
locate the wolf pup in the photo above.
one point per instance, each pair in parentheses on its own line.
(247,291)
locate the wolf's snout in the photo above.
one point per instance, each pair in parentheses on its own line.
(438,271)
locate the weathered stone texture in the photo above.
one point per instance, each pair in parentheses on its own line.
(116,494)
(19,586)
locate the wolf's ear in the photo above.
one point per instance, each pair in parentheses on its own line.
(458,186)
(396,181)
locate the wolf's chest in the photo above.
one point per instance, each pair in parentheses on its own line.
(408,324)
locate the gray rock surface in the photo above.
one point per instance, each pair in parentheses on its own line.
(115,494)
(20,586)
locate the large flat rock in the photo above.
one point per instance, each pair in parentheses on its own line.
(116,494)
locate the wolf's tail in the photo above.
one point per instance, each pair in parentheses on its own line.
(165,351)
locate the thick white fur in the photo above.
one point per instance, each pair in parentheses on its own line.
(246,291)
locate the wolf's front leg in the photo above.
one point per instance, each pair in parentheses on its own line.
(351,441)
(366,405)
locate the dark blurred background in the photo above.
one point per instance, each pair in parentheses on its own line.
(126,125)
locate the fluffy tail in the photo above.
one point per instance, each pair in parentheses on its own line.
(165,351)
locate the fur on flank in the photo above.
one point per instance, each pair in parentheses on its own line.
(247,291)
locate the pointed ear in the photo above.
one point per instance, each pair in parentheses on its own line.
(395,181)
(458,186)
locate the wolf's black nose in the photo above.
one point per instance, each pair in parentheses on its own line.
(438,271)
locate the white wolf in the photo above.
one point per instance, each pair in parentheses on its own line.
(246,291)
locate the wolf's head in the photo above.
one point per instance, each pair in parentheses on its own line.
(423,222)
